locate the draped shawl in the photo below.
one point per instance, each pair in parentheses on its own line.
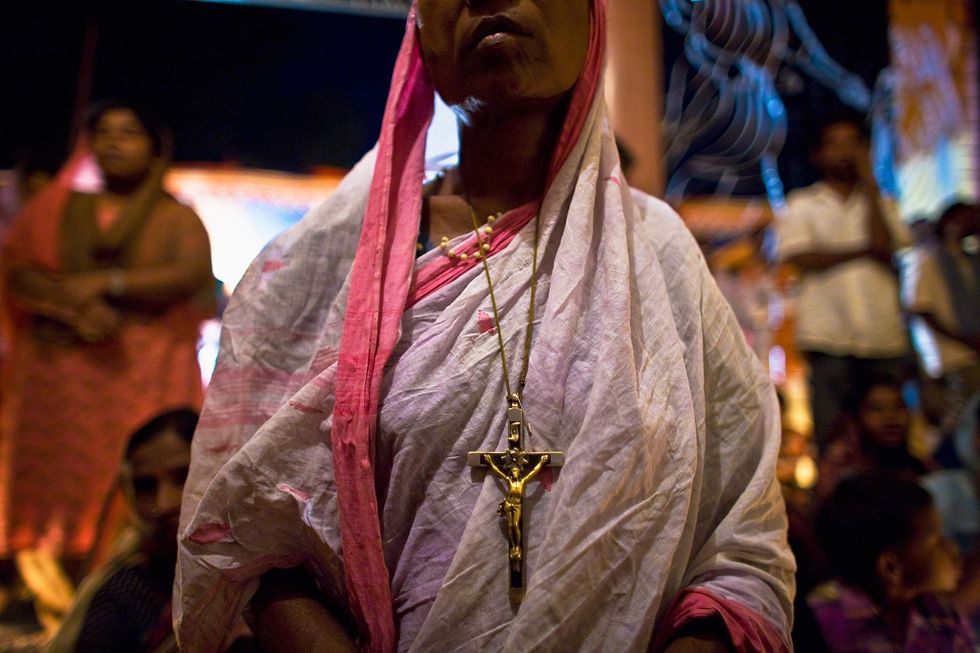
(667,508)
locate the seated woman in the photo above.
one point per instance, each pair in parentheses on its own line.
(125,606)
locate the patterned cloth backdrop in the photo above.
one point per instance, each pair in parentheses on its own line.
(934,61)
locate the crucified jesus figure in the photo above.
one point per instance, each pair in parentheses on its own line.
(511,507)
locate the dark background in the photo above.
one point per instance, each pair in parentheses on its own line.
(261,87)
(287,89)
(854,33)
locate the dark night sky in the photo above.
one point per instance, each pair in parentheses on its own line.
(271,88)
(285,89)
(855,34)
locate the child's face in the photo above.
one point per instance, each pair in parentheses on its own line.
(885,417)
(929,561)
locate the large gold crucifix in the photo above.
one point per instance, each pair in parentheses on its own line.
(516,467)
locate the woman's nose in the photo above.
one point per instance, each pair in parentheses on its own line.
(168,497)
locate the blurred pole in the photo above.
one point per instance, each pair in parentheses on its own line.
(86,73)
(634,88)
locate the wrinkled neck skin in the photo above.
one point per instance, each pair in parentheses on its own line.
(504,155)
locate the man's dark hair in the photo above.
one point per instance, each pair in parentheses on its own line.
(862,518)
(951,212)
(181,421)
(852,402)
(158,132)
(842,117)
(626,158)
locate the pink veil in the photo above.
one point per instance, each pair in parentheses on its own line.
(381,282)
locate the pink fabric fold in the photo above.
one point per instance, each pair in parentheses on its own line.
(379,283)
(35,234)
(379,288)
(445,270)
(749,631)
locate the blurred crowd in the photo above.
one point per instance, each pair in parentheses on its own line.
(882,493)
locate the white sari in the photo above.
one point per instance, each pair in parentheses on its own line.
(638,372)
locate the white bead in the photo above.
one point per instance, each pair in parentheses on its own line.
(463,256)
(488,230)
(485,247)
(477,255)
(451,253)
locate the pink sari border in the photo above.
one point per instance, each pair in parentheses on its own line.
(379,281)
(445,270)
(749,631)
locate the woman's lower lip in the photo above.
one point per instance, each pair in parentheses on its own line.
(494,39)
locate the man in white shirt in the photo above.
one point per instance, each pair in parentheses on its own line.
(841,234)
(942,291)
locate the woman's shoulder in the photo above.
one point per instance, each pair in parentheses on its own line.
(336,221)
(658,226)
(175,208)
(657,213)
(658,222)
(317,251)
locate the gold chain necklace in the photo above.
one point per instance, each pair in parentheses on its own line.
(516,466)
(522,379)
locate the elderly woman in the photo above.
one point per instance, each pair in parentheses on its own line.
(362,391)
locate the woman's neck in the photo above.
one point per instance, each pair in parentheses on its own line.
(887,457)
(504,159)
(121,188)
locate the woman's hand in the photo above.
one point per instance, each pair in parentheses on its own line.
(701,636)
(82,288)
(96,322)
(288,615)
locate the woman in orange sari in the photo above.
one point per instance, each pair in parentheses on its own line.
(102,296)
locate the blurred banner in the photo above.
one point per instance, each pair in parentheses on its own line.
(244,209)
(934,62)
